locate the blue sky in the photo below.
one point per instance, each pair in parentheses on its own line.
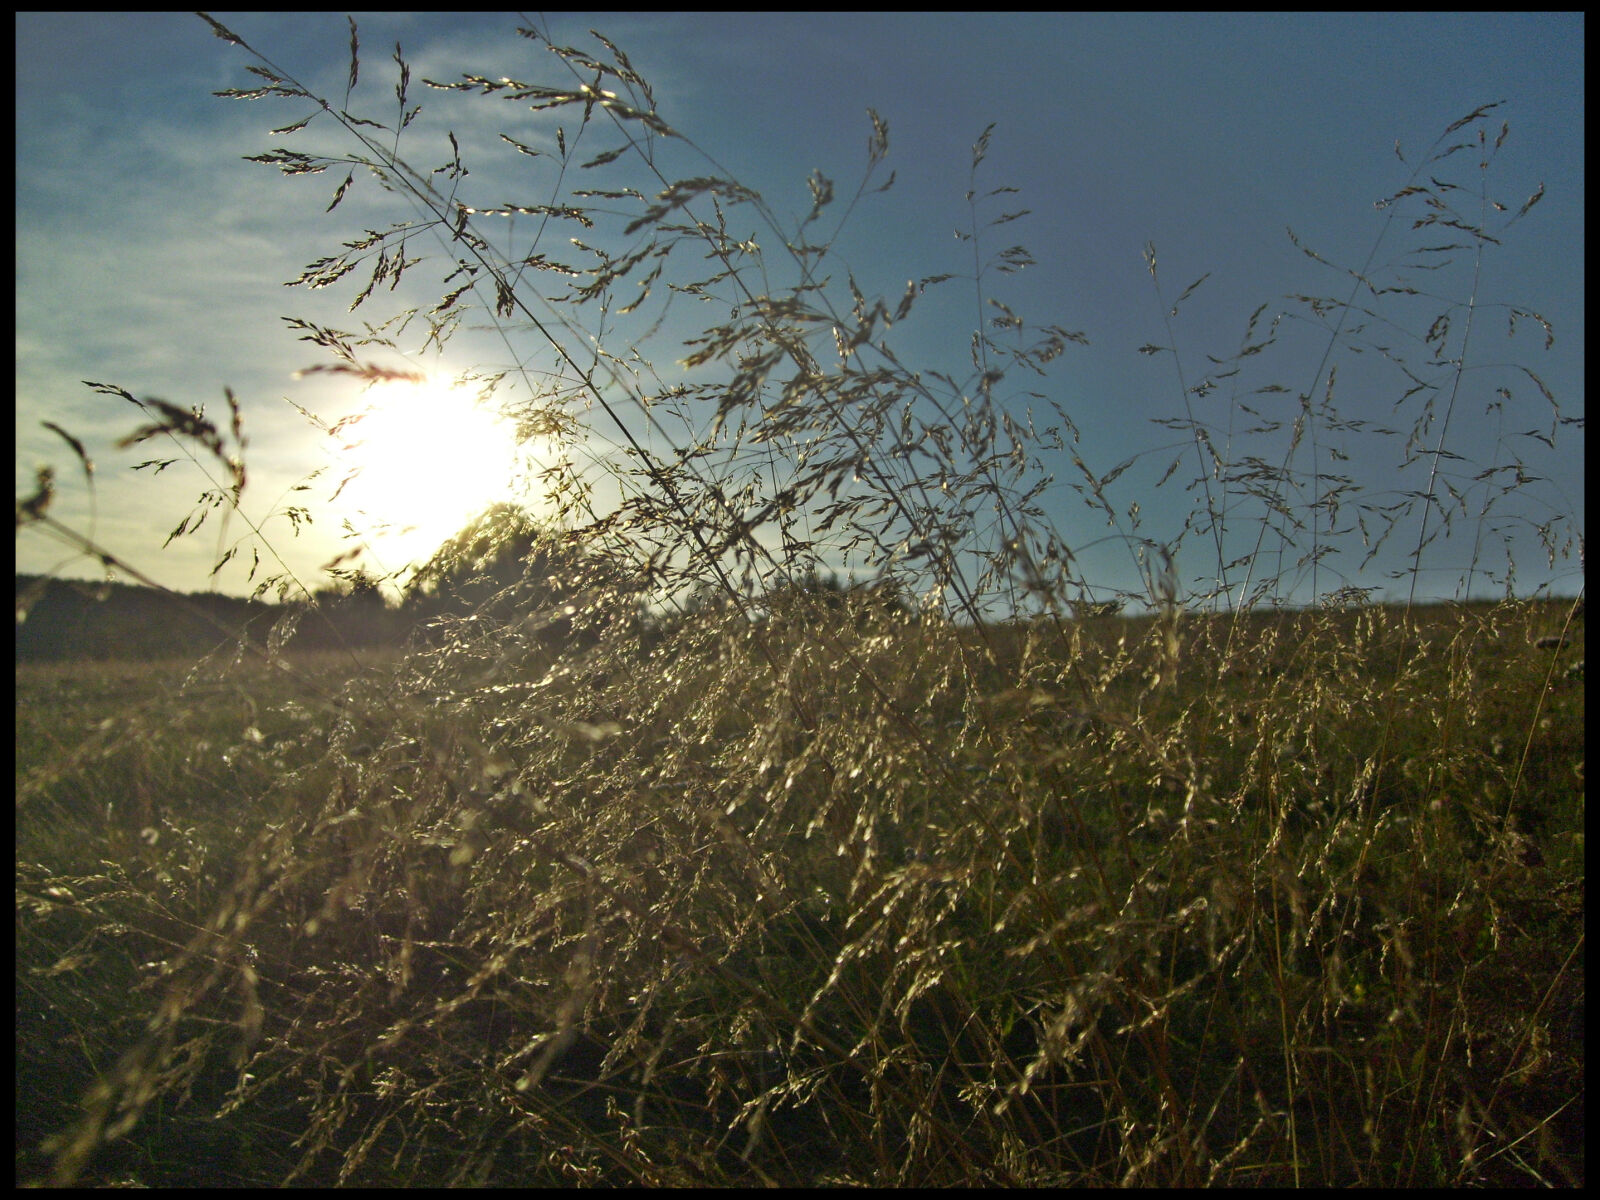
(151,257)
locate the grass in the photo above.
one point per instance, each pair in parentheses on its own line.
(771,882)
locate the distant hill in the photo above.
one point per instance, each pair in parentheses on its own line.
(72,619)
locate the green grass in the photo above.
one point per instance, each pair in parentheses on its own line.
(775,882)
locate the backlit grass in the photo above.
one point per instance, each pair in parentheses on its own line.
(678,866)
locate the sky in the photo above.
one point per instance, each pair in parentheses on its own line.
(153,258)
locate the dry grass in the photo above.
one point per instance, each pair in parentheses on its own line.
(790,884)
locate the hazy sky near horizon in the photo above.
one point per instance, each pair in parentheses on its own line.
(149,256)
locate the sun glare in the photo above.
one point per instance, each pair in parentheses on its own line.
(421,462)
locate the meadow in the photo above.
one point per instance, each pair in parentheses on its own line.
(676,866)
(975,933)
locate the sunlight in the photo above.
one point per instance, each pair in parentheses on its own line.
(421,461)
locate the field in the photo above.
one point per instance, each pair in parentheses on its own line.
(1008,916)
(795,804)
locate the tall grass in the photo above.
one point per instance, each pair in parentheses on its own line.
(694,870)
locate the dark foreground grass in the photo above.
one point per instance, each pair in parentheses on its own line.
(1316,916)
(656,861)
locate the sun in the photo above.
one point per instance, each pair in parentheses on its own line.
(420,461)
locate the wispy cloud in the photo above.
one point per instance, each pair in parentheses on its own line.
(150,256)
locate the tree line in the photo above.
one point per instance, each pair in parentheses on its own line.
(501,568)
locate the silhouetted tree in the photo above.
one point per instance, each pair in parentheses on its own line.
(830,595)
(351,612)
(505,567)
